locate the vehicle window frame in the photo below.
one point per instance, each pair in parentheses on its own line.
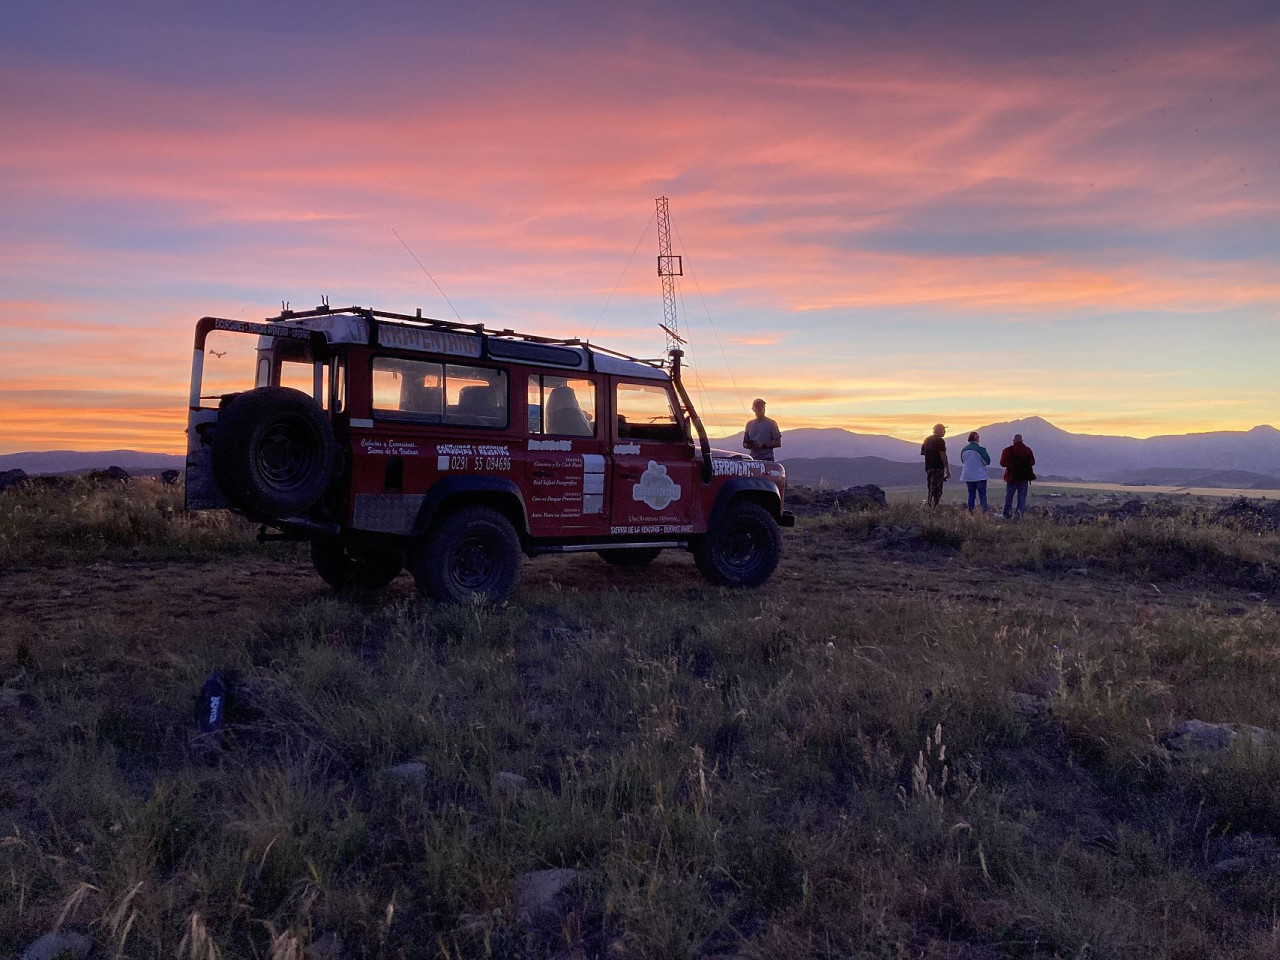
(409,417)
(541,376)
(338,385)
(672,404)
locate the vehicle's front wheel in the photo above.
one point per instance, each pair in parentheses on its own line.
(345,569)
(630,558)
(472,553)
(741,549)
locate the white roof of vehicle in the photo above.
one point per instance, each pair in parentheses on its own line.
(608,363)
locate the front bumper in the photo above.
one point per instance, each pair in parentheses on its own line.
(786,519)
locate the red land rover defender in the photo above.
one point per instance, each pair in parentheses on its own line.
(453,449)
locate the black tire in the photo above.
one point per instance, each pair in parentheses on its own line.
(741,549)
(632,559)
(473,553)
(345,569)
(273,452)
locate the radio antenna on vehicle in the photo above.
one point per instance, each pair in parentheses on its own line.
(669,267)
(428,273)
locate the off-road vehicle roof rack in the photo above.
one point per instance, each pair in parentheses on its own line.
(418,320)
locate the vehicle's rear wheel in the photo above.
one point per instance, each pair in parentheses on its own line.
(345,569)
(742,548)
(273,452)
(472,553)
(630,558)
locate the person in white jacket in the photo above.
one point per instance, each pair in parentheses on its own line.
(975,459)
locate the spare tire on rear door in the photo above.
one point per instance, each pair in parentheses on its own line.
(273,452)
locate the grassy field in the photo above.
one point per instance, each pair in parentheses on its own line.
(81,521)
(929,736)
(1081,487)
(1047,492)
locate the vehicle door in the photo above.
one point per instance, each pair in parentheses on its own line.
(653,464)
(566,467)
(429,420)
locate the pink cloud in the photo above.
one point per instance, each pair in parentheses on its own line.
(799,185)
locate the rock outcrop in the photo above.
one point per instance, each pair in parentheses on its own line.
(12,479)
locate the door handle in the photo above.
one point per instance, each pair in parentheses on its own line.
(544,473)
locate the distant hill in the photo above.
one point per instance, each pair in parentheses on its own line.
(1059,452)
(75,461)
(1101,457)
(1248,459)
(841,472)
(810,443)
(1191,477)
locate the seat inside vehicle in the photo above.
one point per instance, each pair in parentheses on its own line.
(565,416)
(480,405)
(423,401)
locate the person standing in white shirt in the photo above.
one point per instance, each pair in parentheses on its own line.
(975,460)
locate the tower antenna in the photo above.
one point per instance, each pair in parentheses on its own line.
(669,267)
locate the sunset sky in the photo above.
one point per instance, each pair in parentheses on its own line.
(892,214)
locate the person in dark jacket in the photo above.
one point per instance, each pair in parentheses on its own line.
(1017,460)
(936,466)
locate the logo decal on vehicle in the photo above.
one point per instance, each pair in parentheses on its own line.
(656,489)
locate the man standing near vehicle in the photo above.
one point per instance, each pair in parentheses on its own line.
(937,469)
(761,436)
(1017,460)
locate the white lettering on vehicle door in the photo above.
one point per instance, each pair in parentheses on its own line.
(478,458)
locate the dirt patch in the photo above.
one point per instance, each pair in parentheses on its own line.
(156,601)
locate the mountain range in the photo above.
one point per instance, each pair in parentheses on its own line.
(1226,458)
(76,461)
(841,472)
(1177,459)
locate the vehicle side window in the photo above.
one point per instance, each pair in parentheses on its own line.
(646,412)
(408,389)
(475,396)
(562,406)
(439,393)
(299,376)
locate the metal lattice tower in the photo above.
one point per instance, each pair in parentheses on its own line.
(669,267)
